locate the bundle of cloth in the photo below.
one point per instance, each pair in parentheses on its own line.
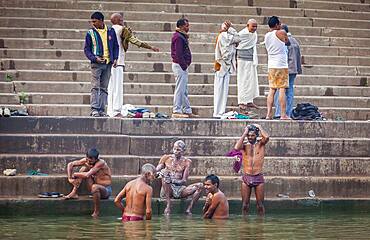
(306,111)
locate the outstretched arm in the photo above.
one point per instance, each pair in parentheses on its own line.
(118,199)
(148,201)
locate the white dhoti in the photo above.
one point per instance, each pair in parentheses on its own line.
(115,91)
(247,77)
(247,80)
(220,93)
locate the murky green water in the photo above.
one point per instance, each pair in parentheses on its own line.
(277,226)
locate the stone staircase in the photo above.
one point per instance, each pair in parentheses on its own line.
(330,157)
(41,55)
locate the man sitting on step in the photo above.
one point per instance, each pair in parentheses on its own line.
(253,152)
(138,196)
(175,169)
(97,175)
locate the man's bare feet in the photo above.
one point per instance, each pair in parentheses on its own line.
(252,105)
(95,215)
(167,211)
(71,196)
(119,115)
(285,118)
(242,107)
(188,212)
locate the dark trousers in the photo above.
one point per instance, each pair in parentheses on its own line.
(100,74)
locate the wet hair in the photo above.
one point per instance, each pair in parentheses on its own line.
(97,15)
(253,128)
(181,22)
(181,144)
(214,179)
(92,153)
(147,167)
(285,28)
(273,21)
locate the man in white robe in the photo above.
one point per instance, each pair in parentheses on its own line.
(115,87)
(225,64)
(247,77)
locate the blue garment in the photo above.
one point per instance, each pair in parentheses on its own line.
(93,36)
(289,93)
(109,190)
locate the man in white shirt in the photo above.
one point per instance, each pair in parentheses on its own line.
(247,77)
(275,42)
(115,86)
(225,64)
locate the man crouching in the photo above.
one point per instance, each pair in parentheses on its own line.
(138,196)
(175,173)
(97,175)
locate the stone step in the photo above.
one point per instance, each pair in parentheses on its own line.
(183,127)
(6,87)
(197,47)
(295,187)
(20,206)
(164,56)
(156,145)
(165,36)
(194,78)
(166,99)
(203,111)
(270,8)
(334,5)
(170,26)
(195,67)
(193,17)
(355,5)
(9,98)
(201,165)
(165,88)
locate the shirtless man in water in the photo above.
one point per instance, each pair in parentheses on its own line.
(216,205)
(97,174)
(138,196)
(253,156)
(175,170)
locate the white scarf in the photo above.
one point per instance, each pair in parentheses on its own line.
(249,40)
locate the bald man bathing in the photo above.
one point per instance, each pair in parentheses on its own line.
(175,169)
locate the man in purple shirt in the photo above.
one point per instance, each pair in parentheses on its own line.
(181,59)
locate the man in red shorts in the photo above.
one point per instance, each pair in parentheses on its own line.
(253,151)
(138,196)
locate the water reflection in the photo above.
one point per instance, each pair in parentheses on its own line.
(297,226)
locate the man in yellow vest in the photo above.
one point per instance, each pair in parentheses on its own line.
(101,48)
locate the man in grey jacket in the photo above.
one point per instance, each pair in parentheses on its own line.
(294,68)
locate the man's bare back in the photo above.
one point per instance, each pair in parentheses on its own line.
(136,194)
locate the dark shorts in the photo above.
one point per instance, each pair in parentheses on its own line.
(253,180)
(109,192)
(126,218)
